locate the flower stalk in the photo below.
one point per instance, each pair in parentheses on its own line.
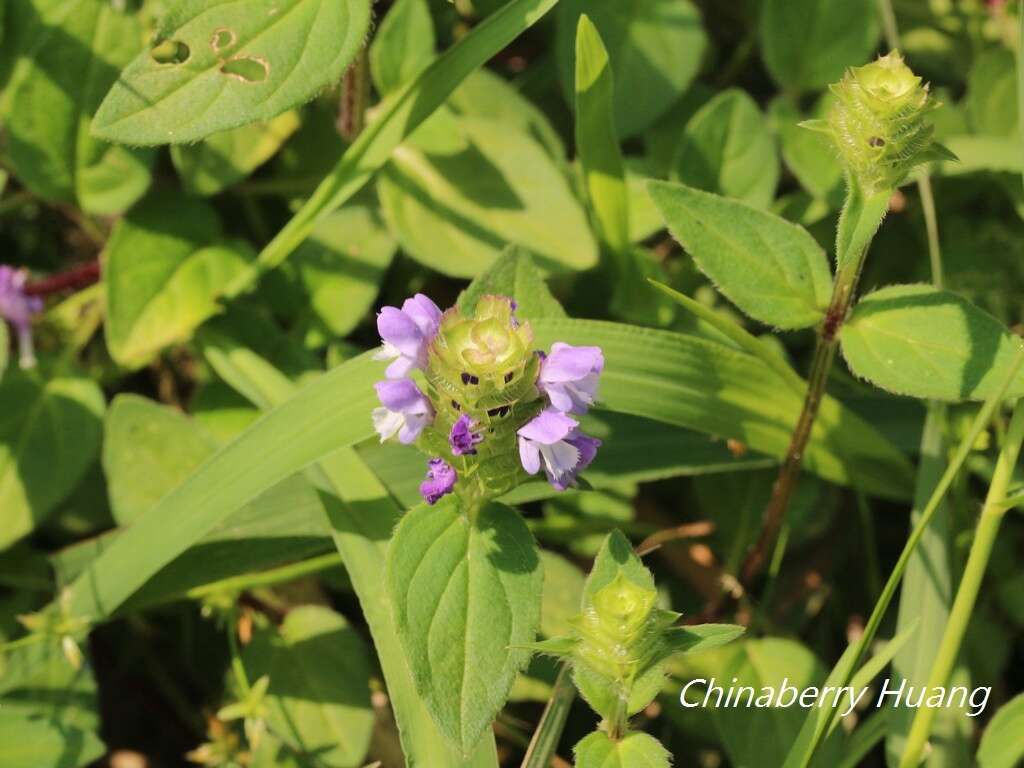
(991,519)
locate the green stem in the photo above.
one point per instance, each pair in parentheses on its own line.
(967,595)
(858,223)
(268,578)
(237,668)
(979,424)
(552,722)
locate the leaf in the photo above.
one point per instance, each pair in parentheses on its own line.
(809,154)
(76,58)
(918,341)
(319,697)
(634,750)
(164,272)
(563,592)
(726,148)
(403,45)
(49,435)
(5,346)
(703,637)
(216,66)
(655,46)
(992,93)
(514,275)
(148,450)
(831,38)
(39,743)
(597,144)
(464,594)
(342,265)
(455,207)
(771,269)
(220,160)
(1002,744)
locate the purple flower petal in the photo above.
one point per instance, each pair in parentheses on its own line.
(18,309)
(441,477)
(400,331)
(405,410)
(463,439)
(569,376)
(553,441)
(407,334)
(424,313)
(548,427)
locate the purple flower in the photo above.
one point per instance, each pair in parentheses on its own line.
(407,333)
(569,376)
(553,440)
(17,309)
(463,438)
(441,477)
(405,410)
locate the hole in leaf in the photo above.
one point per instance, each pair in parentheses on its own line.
(246,68)
(222,38)
(170,52)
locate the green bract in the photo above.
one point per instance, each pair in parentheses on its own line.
(878,123)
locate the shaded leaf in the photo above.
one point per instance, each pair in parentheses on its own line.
(656,48)
(514,275)
(76,56)
(49,435)
(319,696)
(403,45)
(634,750)
(1002,744)
(726,148)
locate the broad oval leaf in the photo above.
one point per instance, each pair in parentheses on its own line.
(918,341)
(49,435)
(78,52)
(768,267)
(726,148)
(213,66)
(164,272)
(809,43)
(466,186)
(634,750)
(655,46)
(1002,744)
(318,701)
(403,45)
(466,595)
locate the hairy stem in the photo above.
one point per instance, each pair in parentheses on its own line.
(860,219)
(967,594)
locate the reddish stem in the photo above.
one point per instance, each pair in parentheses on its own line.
(72,279)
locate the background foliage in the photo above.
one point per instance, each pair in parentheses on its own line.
(214,199)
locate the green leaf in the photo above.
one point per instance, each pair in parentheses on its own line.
(808,44)
(992,93)
(39,743)
(164,272)
(771,269)
(76,58)
(455,207)
(726,148)
(319,697)
(809,154)
(148,450)
(918,341)
(563,593)
(597,144)
(464,594)
(216,66)
(702,637)
(515,275)
(224,158)
(655,46)
(1002,744)
(49,435)
(342,265)
(634,750)
(403,45)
